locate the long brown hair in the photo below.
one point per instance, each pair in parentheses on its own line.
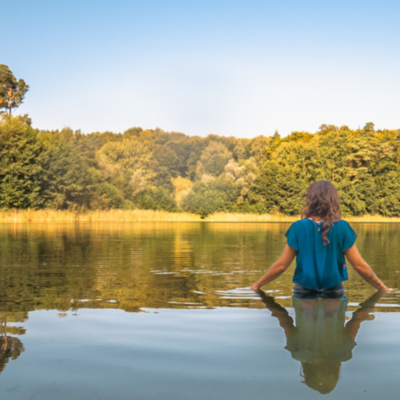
(322,202)
(321,375)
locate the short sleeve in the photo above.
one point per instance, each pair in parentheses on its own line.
(292,238)
(349,237)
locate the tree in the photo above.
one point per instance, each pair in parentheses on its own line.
(21,160)
(12,92)
(155,198)
(203,200)
(107,196)
(166,165)
(210,196)
(298,157)
(275,138)
(182,188)
(369,128)
(388,194)
(276,188)
(213,159)
(258,148)
(241,150)
(65,179)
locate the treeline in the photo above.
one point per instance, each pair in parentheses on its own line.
(153,169)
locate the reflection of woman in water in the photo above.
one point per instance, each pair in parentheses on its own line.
(320,340)
(320,241)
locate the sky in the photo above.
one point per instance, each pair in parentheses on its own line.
(233,68)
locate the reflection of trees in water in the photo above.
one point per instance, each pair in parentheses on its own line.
(10,346)
(160,265)
(59,265)
(123,265)
(321,339)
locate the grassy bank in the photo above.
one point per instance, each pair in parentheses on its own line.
(227,217)
(22,216)
(19,216)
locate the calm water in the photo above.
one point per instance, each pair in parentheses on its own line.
(163,311)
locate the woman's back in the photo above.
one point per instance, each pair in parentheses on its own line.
(320,266)
(319,246)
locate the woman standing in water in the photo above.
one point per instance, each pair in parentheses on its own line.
(320,241)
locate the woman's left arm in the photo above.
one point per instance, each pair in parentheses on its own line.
(277,268)
(362,314)
(364,269)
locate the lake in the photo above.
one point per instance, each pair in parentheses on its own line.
(164,311)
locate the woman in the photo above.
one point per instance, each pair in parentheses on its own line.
(320,241)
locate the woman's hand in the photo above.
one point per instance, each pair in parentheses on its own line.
(255,287)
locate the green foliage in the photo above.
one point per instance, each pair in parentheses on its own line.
(136,131)
(21,160)
(166,165)
(208,198)
(259,147)
(388,199)
(153,169)
(155,198)
(213,159)
(277,189)
(65,180)
(107,197)
(202,200)
(12,91)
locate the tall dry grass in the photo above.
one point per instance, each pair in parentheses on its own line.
(20,216)
(372,218)
(237,217)
(23,216)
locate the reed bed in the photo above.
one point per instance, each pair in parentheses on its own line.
(237,217)
(23,216)
(372,218)
(53,216)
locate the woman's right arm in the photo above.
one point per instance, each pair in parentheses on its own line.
(285,320)
(277,268)
(364,269)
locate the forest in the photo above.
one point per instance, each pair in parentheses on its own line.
(157,170)
(146,169)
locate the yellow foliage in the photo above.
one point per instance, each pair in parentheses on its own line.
(182,188)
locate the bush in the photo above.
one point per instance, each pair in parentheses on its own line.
(106,197)
(204,199)
(155,199)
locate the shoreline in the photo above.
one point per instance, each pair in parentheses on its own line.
(55,216)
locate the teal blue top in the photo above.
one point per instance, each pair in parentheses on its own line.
(320,266)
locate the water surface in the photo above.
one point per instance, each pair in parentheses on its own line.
(163,311)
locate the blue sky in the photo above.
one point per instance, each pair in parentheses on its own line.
(240,68)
